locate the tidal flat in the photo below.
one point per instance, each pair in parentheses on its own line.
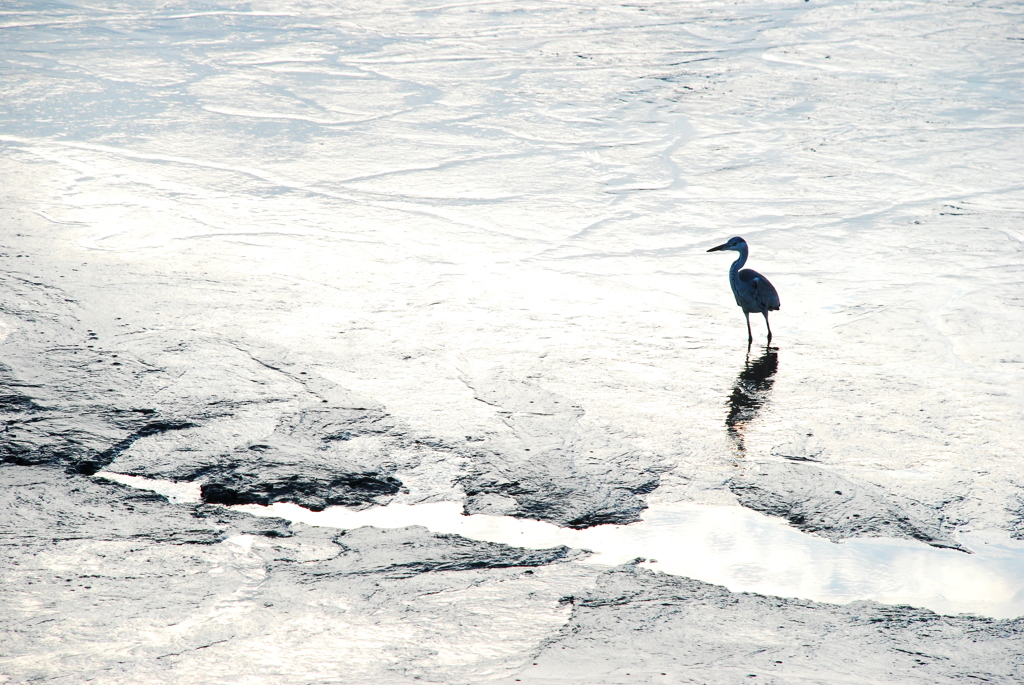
(350,342)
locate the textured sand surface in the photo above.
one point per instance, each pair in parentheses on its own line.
(355,254)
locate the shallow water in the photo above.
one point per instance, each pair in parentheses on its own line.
(726,545)
(744,551)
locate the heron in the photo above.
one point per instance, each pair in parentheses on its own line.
(753,292)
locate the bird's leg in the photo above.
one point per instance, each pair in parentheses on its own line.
(769,327)
(750,336)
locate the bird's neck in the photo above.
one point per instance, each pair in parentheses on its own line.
(740,261)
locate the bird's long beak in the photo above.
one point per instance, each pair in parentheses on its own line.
(720,247)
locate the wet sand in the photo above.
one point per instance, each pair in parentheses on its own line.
(358,256)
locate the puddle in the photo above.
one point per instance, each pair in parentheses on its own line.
(742,550)
(174,491)
(727,545)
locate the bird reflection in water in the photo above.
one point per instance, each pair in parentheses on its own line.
(752,389)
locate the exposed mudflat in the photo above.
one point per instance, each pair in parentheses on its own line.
(358,255)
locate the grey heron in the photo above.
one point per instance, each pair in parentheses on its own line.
(754,293)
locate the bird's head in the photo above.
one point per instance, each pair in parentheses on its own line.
(737,243)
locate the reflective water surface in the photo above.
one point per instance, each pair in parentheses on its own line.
(751,391)
(742,550)
(726,545)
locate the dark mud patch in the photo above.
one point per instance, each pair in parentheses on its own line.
(247,420)
(90,466)
(406,552)
(550,466)
(268,483)
(638,625)
(67,396)
(45,428)
(317,457)
(819,501)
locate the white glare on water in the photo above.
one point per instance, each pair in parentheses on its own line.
(174,491)
(726,545)
(740,549)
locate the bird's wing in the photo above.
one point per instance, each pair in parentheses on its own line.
(760,290)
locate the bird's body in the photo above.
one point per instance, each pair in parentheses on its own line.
(753,292)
